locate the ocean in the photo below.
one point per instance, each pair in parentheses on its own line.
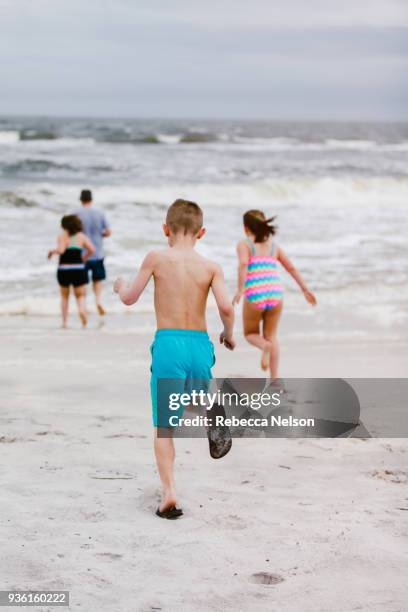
(339,190)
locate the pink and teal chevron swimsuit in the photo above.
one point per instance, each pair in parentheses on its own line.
(263,287)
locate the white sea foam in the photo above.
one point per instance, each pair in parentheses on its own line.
(48,305)
(299,199)
(397,146)
(56,143)
(9,137)
(169,138)
(359,145)
(294,144)
(325,191)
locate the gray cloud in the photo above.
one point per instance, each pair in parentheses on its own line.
(225,59)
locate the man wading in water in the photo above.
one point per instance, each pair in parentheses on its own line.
(96,227)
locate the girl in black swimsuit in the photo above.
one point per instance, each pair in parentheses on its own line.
(73,249)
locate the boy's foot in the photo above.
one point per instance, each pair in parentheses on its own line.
(265,359)
(169,500)
(170,514)
(83,318)
(101,310)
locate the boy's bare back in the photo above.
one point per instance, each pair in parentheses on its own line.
(182,280)
(182,277)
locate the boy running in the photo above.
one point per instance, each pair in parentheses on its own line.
(181,347)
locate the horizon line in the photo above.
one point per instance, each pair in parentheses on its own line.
(5,115)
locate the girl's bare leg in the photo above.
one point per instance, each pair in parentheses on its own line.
(80,298)
(270,332)
(64,305)
(165,455)
(252,319)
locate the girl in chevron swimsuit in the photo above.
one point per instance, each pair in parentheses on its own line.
(259,282)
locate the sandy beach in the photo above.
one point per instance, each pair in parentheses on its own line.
(322,521)
(271,137)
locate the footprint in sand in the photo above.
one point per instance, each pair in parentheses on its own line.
(50,433)
(266,578)
(232,521)
(397,476)
(110,475)
(109,556)
(93,517)
(125,435)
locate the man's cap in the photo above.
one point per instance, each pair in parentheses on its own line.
(86,195)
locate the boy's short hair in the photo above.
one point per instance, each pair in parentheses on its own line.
(184,216)
(72,224)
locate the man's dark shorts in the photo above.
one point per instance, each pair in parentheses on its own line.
(96,269)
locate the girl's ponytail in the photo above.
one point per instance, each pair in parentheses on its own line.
(259,225)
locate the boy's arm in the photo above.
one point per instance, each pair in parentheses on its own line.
(225,308)
(243,256)
(295,274)
(130,294)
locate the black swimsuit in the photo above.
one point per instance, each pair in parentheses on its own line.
(71,267)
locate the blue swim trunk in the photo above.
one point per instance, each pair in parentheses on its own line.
(96,269)
(181,362)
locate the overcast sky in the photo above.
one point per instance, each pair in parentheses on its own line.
(285,59)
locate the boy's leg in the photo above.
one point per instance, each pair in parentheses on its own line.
(80,298)
(64,304)
(270,332)
(164,449)
(165,455)
(252,319)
